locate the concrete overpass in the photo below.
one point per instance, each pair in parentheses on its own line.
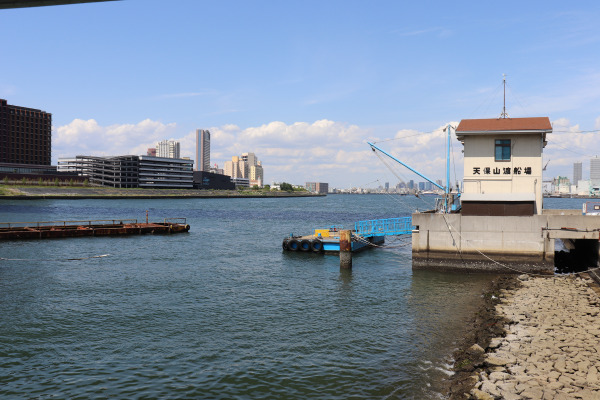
(42,3)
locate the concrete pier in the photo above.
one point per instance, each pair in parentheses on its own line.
(507,244)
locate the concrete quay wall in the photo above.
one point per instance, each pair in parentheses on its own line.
(482,243)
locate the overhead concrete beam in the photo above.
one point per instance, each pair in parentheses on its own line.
(4,4)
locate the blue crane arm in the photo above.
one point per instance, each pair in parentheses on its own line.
(373,147)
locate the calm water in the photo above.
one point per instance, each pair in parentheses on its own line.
(222,312)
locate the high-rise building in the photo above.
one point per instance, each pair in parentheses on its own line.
(256,175)
(577,173)
(249,160)
(25,135)
(229,168)
(595,171)
(151,151)
(167,149)
(245,166)
(317,187)
(202,150)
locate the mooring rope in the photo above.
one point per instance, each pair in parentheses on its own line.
(499,263)
(365,241)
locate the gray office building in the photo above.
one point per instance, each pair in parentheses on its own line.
(132,171)
(595,171)
(577,173)
(202,150)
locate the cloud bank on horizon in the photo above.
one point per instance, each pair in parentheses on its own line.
(324,150)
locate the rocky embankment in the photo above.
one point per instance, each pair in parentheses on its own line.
(551,347)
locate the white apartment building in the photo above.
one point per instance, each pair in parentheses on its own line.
(167,149)
(256,175)
(246,166)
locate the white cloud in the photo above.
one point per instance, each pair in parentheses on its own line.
(331,151)
(324,150)
(82,137)
(567,144)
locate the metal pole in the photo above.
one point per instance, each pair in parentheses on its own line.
(448,172)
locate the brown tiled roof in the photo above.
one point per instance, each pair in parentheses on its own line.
(505,124)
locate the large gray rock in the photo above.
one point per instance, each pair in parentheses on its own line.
(494,361)
(499,376)
(490,388)
(480,395)
(476,349)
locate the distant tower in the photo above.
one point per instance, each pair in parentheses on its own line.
(202,150)
(577,173)
(595,171)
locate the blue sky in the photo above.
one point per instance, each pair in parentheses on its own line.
(305,84)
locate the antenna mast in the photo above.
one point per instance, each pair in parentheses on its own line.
(504,113)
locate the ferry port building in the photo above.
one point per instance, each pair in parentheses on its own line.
(502,226)
(503,165)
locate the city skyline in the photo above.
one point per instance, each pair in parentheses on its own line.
(307,100)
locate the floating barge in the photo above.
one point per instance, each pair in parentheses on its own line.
(64,229)
(366,234)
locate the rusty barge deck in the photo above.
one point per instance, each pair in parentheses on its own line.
(65,229)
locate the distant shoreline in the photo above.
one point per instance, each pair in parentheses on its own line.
(79,193)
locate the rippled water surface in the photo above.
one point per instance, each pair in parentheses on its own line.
(222,312)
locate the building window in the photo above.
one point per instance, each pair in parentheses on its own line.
(502,149)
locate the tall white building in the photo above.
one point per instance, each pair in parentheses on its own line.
(202,150)
(595,171)
(167,149)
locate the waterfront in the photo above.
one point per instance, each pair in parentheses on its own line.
(222,312)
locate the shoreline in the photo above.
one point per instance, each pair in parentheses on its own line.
(105,193)
(533,338)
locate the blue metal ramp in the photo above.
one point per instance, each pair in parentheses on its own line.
(384,227)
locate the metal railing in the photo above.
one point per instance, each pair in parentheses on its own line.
(384,227)
(181,221)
